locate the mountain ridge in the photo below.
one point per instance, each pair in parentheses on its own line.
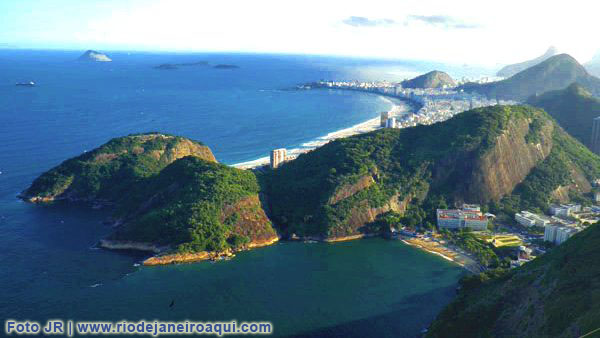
(178,198)
(510,70)
(555,73)
(573,107)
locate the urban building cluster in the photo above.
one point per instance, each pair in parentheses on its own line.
(529,219)
(437,104)
(557,234)
(564,221)
(469,216)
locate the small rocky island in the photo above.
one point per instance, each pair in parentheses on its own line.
(94,56)
(225,66)
(172,66)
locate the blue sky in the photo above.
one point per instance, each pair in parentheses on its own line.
(458,31)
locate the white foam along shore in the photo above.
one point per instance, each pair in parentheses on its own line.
(398,108)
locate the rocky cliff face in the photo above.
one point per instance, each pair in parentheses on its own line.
(510,160)
(363,214)
(251,221)
(348,190)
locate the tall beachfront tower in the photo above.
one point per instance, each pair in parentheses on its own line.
(384,117)
(595,142)
(277,157)
(390,123)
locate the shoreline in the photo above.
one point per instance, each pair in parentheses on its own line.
(398,108)
(427,245)
(445,252)
(178,258)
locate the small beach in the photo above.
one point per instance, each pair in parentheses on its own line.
(445,252)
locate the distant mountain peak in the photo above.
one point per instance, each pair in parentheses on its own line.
(555,73)
(551,51)
(593,66)
(513,69)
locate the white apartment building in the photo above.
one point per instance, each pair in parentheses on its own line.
(278,156)
(564,209)
(529,219)
(558,234)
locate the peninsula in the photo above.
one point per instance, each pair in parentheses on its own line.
(171,198)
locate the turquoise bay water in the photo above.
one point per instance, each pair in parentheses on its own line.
(48,266)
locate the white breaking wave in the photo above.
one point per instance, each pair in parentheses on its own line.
(398,108)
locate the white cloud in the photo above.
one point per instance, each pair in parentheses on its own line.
(459,31)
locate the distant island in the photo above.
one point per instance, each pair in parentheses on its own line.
(171,66)
(225,66)
(92,55)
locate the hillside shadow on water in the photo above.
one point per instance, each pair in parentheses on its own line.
(406,319)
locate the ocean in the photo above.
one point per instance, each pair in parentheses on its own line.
(50,268)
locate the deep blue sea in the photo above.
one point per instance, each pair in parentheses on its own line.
(48,268)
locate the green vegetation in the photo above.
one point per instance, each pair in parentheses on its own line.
(479,248)
(555,73)
(186,206)
(555,295)
(169,190)
(535,192)
(433,79)
(108,172)
(323,192)
(573,108)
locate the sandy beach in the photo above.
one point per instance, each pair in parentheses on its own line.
(444,252)
(398,108)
